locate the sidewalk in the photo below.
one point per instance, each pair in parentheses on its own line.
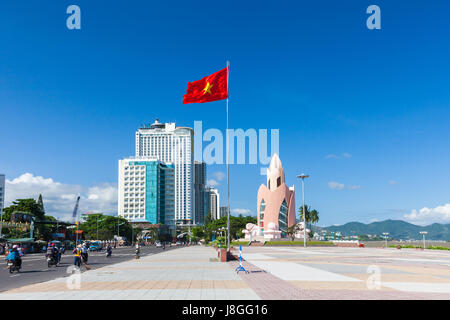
(192,273)
(183,274)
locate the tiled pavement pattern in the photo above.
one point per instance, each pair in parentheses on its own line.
(342,273)
(185,273)
(275,273)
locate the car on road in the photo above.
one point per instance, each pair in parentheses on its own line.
(95,246)
(178,243)
(158,244)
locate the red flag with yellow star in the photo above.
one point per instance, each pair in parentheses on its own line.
(211,88)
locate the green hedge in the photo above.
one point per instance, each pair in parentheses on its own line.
(299,243)
(240,243)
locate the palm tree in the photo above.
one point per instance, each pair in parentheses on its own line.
(312,216)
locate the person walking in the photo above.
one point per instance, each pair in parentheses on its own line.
(84,253)
(138,251)
(108,250)
(58,254)
(77,256)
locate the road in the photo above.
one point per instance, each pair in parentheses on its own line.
(35,268)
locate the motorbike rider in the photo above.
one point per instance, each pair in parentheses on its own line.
(52,252)
(14,256)
(109,250)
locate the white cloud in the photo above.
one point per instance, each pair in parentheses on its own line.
(336,185)
(59,198)
(241,211)
(219,175)
(212,183)
(425,216)
(345,155)
(340,186)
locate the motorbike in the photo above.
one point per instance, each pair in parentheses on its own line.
(51,261)
(12,266)
(137,254)
(108,253)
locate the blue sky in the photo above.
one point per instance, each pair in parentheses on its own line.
(71,100)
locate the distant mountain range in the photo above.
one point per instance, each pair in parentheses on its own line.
(397,229)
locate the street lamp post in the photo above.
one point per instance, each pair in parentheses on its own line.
(385,234)
(118,219)
(423,233)
(303,176)
(97,225)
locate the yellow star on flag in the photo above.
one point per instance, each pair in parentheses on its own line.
(207,88)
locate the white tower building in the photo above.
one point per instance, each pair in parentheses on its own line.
(214,202)
(170,144)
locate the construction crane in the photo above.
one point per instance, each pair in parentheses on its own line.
(75,214)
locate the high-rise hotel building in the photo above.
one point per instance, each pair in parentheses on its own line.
(146,191)
(200,194)
(213,202)
(170,144)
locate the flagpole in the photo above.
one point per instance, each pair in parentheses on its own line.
(228,163)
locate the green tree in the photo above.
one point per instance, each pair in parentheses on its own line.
(292,230)
(28,206)
(208,218)
(237,224)
(36,210)
(40,204)
(312,216)
(198,232)
(107,227)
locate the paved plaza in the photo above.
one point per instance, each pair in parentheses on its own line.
(193,273)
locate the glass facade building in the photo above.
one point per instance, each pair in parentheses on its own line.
(146,191)
(200,200)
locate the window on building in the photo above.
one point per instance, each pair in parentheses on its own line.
(283,219)
(262,208)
